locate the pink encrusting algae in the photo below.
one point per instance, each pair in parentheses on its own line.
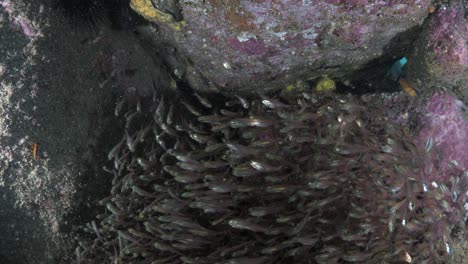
(447,37)
(19,21)
(447,130)
(445,169)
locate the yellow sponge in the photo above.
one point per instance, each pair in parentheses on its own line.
(146,9)
(325,84)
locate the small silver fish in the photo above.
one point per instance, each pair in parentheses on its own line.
(263,166)
(248,260)
(213,119)
(119,106)
(429,144)
(244,170)
(274,249)
(214,147)
(223,187)
(191,166)
(115,150)
(142,192)
(281,188)
(111,207)
(202,139)
(159,113)
(170,115)
(262,211)
(244,224)
(169,130)
(228,113)
(191,108)
(127,236)
(130,118)
(357,256)
(163,247)
(215,164)
(306,240)
(273,103)
(254,122)
(203,101)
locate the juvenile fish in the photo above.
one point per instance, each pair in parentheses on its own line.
(215,164)
(306,240)
(356,256)
(145,165)
(274,249)
(280,188)
(429,144)
(246,225)
(241,151)
(115,150)
(169,130)
(131,141)
(262,211)
(203,101)
(144,132)
(187,178)
(263,166)
(170,115)
(164,247)
(253,122)
(228,113)
(214,147)
(211,206)
(191,108)
(130,118)
(213,119)
(248,260)
(224,187)
(119,106)
(139,234)
(296,229)
(245,104)
(202,139)
(191,166)
(158,114)
(127,236)
(114,209)
(273,103)
(244,170)
(142,192)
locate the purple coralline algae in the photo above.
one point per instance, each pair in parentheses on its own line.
(447,131)
(17,21)
(440,56)
(445,171)
(447,38)
(244,44)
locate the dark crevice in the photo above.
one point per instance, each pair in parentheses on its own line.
(372,77)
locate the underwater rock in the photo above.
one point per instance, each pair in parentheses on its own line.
(440,56)
(245,44)
(446,129)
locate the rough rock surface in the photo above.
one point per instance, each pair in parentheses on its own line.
(440,57)
(246,44)
(58,88)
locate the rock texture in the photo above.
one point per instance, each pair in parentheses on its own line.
(246,44)
(440,57)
